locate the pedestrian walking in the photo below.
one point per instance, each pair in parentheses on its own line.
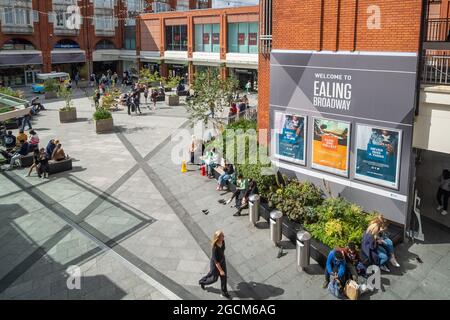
(218,267)
(43,168)
(146,94)
(77,78)
(154,98)
(248,86)
(137,101)
(26,120)
(443,193)
(92,80)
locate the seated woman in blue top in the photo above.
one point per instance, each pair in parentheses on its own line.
(335,267)
(376,247)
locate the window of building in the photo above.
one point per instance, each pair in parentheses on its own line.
(129,42)
(243,37)
(104,3)
(182,5)
(202,4)
(160,6)
(104,23)
(17,16)
(176,38)
(104,44)
(17,44)
(207,37)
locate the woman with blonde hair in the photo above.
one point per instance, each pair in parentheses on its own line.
(376,247)
(218,265)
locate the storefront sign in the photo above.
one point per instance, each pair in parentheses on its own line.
(252,39)
(330,146)
(241,39)
(216,38)
(378,155)
(206,38)
(290,137)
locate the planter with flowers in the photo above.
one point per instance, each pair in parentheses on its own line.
(67,113)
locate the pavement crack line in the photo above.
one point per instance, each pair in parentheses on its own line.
(142,269)
(194,229)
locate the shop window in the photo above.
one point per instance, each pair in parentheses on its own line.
(243,37)
(17,44)
(176,38)
(207,38)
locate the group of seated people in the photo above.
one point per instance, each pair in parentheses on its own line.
(348,263)
(22,145)
(238,107)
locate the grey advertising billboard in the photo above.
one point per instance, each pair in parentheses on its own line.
(358,109)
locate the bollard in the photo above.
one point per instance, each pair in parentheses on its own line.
(183,166)
(303,248)
(253,208)
(275,226)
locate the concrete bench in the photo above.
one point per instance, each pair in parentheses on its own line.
(27,160)
(182,93)
(59,166)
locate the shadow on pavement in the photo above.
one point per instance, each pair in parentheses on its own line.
(245,290)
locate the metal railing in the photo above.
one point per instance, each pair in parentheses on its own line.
(438,30)
(436,69)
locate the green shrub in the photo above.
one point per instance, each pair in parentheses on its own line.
(102,114)
(11,92)
(297,201)
(339,222)
(51,85)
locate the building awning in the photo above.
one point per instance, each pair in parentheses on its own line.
(20,58)
(69,56)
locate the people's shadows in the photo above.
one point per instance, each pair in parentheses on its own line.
(256,291)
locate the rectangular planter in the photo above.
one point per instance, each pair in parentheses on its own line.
(173,100)
(104,125)
(68,116)
(51,95)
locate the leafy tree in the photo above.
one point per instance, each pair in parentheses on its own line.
(212,93)
(146,77)
(65,93)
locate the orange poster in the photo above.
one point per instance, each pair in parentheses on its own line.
(330,146)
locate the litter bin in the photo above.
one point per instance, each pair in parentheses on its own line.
(303,247)
(253,207)
(275,226)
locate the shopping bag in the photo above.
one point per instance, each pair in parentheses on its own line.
(351,290)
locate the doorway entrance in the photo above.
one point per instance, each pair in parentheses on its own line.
(30,76)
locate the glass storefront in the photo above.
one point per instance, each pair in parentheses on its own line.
(153,66)
(18,75)
(176,38)
(71,68)
(207,37)
(245,75)
(243,37)
(178,70)
(102,67)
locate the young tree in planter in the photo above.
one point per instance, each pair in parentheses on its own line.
(68,112)
(146,77)
(51,87)
(212,95)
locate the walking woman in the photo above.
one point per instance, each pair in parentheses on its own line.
(36,161)
(218,265)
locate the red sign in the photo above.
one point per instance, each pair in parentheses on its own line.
(216,38)
(206,38)
(176,37)
(241,39)
(252,39)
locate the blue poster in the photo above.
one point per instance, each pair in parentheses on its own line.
(378,155)
(290,138)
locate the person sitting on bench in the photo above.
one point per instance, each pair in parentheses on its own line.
(34,140)
(22,151)
(10,141)
(51,147)
(251,190)
(21,137)
(228,170)
(58,154)
(241,186)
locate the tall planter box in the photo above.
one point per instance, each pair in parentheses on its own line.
(68,116)
(173,100)
(104,125)
(51,95)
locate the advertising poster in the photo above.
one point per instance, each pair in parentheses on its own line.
(253,39)
(378,155)
(216,38)
(290,137)
(330,146)
(206,38)
(241,39)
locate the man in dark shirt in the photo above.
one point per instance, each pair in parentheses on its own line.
(23,151)
(10,140)
(50,147)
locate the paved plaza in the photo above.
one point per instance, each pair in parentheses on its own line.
(133,223)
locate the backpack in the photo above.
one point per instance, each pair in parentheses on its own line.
(335,288)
